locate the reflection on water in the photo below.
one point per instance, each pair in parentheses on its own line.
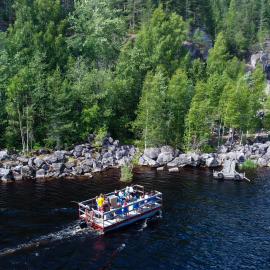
(205,225)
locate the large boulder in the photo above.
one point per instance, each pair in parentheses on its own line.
(70,164)
(51,159)
(4,155)
(78,151)
(167,149)
(107,161)
(124,161)
(212,162)
(60,155)
(181,161)
(86,168)
(107,155)
(40,173)
(146,161)
(152,152)
(97,166)
(27,172)
(262,162)
(17,169)
(119,154)
(78,170)
(6,174)
(165,157)
(195,159)
(58,168)
(38,162)
(23,160)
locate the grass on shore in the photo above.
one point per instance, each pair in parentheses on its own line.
(249,165)
(126,173)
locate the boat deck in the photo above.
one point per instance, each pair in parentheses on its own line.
(123,215)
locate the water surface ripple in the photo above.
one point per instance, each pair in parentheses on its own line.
(205,225)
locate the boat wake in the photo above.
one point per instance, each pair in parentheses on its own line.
(144,225)
(64,234)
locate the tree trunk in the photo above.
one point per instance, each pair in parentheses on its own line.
(21,129)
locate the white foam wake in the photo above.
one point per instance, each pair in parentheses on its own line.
(67,232)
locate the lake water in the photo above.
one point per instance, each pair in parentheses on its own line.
(205,225)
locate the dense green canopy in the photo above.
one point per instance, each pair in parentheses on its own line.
(70,68)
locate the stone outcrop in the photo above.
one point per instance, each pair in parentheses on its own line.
(86,159)
(83,160)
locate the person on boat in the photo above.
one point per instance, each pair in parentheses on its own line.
(120,194)
(127,191)
(125,208)
(131,190)
(100,202)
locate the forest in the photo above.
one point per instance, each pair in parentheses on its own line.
(128,68)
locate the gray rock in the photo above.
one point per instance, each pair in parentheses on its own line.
(88,162)
(86,168)
(110,139)
(27,172)
(181,161)
(152,152)
(120,154)
(107,155)
(262,162)
(107,161)
(164,158)
(40,173)
(23,160)
(124,161)
(78,148)
(58,167)
(38,162)
(116,143)
(97,166)
(174,169)
(223,149)
(5,174)
(4,155)
(167,149)
(195,159)
(212,162)
(17,176)
(78,170)
(70,165)
(51,159)
(132,151)
(45,167)
(78,151)
(43,151)
(263,148)
(88,155)
(31,162)
(60,156)
(146,161)
(17,168)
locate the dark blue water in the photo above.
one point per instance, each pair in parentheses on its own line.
(205,225)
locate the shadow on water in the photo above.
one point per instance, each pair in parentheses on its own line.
(205,224)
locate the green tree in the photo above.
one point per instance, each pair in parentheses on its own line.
(98,31)
(151,121)
(180,92)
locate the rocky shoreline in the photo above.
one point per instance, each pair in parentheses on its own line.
(85,160)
